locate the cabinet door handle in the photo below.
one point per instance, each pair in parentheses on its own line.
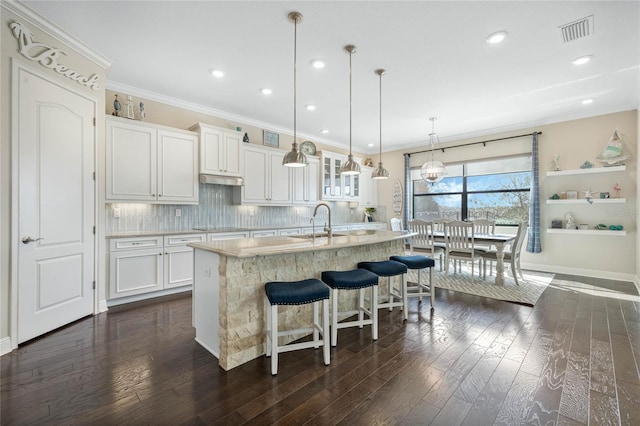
(153,195)
(159,195)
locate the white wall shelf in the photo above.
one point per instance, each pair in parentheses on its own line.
(586,232)
(595,201)
(592,170)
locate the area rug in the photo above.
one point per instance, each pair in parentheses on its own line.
(526,293)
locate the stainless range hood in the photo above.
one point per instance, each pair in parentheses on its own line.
(221,180)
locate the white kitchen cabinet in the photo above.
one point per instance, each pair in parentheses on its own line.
(220,150)
(141,265)
(266,180)
(135,266)
(306,182)
(289,231)
(335,186)
(368,188)
(220,236)
(178,259)
(150,163)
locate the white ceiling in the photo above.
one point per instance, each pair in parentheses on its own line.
(437,60)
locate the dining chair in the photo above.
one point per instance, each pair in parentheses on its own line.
(510,255)
(459,243)
(438,224)
(484,226)
(396,224)
(423,242)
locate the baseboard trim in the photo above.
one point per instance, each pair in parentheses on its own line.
(102,306)
(145,296)
(5,345)
(592,273)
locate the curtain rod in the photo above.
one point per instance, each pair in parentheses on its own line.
(475,143)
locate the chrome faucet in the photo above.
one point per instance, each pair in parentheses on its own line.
(327,229)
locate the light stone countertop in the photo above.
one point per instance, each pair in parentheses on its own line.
(267,246)
(130,234)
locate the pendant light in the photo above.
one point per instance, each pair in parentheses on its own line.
(433,171)
(380,172)
(350,167)
(294,158)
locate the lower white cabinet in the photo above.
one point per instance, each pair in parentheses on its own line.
(141,265)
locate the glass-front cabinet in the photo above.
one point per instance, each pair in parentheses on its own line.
(334,185)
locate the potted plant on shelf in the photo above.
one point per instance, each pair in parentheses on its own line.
(368,214)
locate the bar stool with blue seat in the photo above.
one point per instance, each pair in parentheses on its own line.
(297,293)
(389,269)
(419,263)
(357,279)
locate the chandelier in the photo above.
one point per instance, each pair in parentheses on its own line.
(433,171)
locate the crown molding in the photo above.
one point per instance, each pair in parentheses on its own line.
(190,106)
(48,27)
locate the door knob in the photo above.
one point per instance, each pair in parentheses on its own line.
(27,240)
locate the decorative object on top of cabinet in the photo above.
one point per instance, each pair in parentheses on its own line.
(308,148)
(613,154)
(143,114)
(220,150)
(150,163)
(245,139)
(271,139)
(129,113)
(116,106)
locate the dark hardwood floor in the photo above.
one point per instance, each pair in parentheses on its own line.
(572,359)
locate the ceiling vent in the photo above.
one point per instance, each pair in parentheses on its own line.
(576,29)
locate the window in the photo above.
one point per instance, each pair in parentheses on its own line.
(495,189)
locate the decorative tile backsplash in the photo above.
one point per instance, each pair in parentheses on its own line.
(216,210)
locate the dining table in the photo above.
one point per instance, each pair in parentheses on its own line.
(497,240)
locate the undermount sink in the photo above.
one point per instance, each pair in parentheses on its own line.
(311,236)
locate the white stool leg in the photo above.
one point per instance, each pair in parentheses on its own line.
(325,331)
(268,337)
(361,306)
(274,339)
(374,309)
(334,317)
(405,297)
(315,324)
(390,293)
(432,288)
(419,285)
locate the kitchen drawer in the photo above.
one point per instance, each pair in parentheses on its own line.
(218,236)
(264,233)
(181,240)
(294,231)
(119,244)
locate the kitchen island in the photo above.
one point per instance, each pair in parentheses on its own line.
(229,306)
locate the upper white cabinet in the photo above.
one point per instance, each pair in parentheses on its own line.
(334,185)
(368,188)
(220,150)
(266,180)
(150,163)
(306,182)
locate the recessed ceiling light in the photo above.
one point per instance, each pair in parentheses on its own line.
(317,63)
(324,131)
(217,73)
(587,101)
(266,91)
(582,60)
(310,107)
(496,37)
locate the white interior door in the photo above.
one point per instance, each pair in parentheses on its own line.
(55,138)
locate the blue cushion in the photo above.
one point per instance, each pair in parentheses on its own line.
(357,278)
(296,292)
(415,261)
(385,268)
